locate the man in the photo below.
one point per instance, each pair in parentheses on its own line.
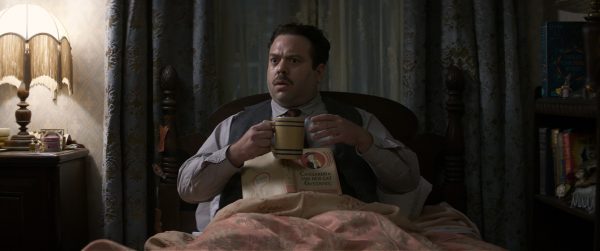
(372,165)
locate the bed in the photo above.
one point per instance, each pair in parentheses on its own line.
(314,221)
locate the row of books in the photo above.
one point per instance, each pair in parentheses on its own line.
(563,60)
(562,153)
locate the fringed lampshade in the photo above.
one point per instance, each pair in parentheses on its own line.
(29,27)
(34,50)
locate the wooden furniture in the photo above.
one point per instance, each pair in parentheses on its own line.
(43,200)
(441,158)
(556,225)
(591,34)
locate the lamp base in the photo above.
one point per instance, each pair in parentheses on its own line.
(19,142)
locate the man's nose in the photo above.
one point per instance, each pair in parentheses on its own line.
(282,67)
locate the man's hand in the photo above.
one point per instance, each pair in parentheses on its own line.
(255,142)
(328,129)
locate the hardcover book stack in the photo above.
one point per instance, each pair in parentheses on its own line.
(563,59)
(567,163)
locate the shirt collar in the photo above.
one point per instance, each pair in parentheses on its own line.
(307,109)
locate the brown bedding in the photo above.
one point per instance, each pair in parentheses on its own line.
(316,221)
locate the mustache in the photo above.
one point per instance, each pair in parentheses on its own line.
(281,78)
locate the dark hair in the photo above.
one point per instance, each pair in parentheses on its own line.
(320,44)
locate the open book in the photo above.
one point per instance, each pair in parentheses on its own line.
(265,175)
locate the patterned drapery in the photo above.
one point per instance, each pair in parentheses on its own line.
(124,186)
(143,37)
(481,38)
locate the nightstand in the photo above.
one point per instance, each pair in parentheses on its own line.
(43,200)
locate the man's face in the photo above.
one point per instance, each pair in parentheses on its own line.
(291,79)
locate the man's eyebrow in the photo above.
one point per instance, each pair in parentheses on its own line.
(286,56)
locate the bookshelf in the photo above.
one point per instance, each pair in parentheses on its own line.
(555,224)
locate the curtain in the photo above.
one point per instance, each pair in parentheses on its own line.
(481,37)
(365,39)
(366,46)
(142,38)
(243,31)
(124,187)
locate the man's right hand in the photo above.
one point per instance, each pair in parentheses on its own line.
(255,142)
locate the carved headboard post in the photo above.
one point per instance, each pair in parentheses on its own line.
(167,211)
(168,135)
(454,161)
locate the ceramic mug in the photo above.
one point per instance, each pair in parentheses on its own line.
(288,139)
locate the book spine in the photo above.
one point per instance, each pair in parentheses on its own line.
(544,60)
(550,183)
(555,155)
(567,158)
(542,144)
(560,169)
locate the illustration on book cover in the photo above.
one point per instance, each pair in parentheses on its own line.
(266,175)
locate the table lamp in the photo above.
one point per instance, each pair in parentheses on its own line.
(34,51)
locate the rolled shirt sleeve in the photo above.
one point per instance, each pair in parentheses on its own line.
(397,169)
(204,175)
(395,165)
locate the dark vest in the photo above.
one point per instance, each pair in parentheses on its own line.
(356,177)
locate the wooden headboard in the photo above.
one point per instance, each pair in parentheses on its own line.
(441,158)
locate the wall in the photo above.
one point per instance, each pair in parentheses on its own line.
(81,114)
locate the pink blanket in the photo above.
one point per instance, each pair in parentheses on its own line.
(315,221)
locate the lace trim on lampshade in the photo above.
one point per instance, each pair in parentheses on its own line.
(11,80)
(47,82)
(69,86)
(66,64)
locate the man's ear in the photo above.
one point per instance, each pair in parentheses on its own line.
(320,71)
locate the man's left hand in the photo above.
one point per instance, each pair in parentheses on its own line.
(328,129)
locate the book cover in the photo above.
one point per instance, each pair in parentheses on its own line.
(583,149)
(568,162)
(266,175)
(546,162)
(562,58)
(556,143)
